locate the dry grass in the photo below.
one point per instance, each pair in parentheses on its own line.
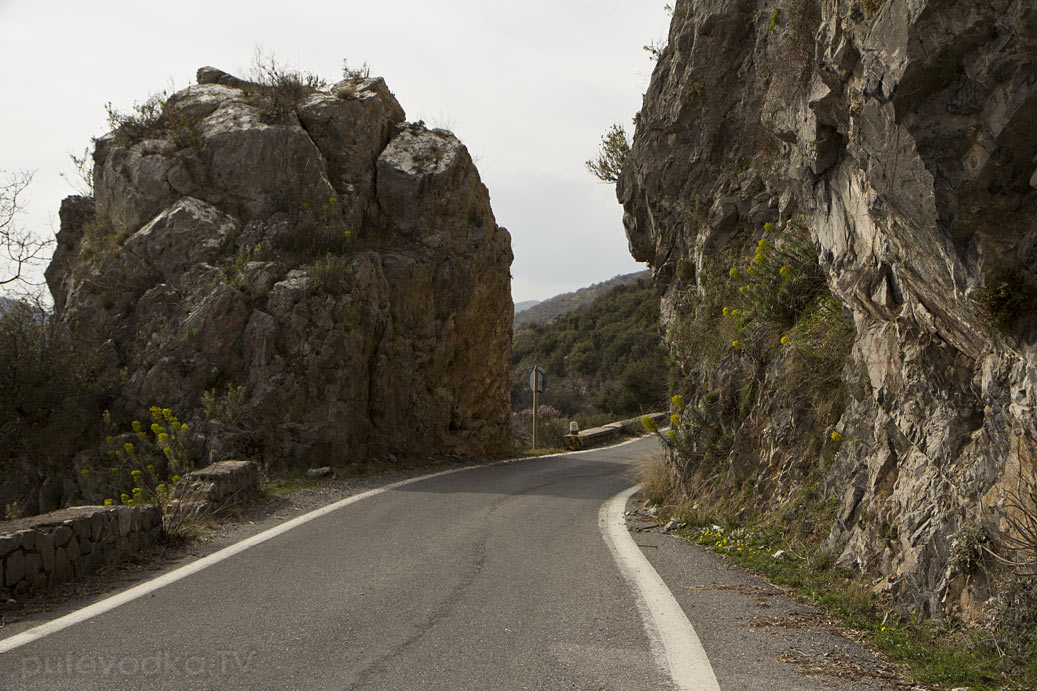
(657,484)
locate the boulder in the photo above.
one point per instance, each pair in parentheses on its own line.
(335,273)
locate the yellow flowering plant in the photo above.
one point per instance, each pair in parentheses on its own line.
(145,470)
(696,435)
(780,281)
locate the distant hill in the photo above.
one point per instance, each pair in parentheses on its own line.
(525,305)
(604,358)
(544,312)
(8,304)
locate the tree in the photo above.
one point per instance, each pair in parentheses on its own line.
(19,249)
(614,150)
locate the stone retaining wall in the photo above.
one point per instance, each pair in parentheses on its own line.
(202,492)
(60,546)
(597,436)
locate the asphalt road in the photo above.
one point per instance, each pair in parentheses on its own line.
(495,577)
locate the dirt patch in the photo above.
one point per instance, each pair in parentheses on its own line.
(837,663)
(800,620)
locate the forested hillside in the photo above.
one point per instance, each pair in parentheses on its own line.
(543,312)
(605,358)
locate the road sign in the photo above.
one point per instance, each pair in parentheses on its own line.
(537,380)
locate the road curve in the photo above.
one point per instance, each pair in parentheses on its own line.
(495,577)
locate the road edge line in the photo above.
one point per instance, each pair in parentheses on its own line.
(673,640)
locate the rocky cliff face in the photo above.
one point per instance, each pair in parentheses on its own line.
(299,272)
(900,135)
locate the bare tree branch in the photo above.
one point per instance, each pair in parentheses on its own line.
(19,248)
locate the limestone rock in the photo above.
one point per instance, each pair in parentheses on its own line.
(189,232)
(900,135)
(336,272)
(212,75)
(319,472)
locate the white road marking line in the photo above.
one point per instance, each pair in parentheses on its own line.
(110,603)
(674,642)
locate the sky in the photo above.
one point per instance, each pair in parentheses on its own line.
(528,87)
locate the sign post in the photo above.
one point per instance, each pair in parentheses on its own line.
(537,383)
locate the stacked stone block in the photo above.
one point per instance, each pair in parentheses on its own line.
(202,492)
(61,546)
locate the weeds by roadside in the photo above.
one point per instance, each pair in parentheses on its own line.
(783,545)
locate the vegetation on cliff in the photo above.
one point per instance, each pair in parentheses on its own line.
(766,336)
(837,203)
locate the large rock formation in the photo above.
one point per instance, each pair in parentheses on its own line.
(298,272)
(901,134)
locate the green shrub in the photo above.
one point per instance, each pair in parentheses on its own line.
(701,336)
(1008,299)
(780,281)
(164,443)
(143,465)
(614,149)
(815,349)
(783,305)
(276,91)
(313,233)
(52,389)
(229,407)
(1012,617)
(551,427)
(657,485)
(699,437)
(154,119)
(355,74)
(685,270)
(736,324)
(331,273)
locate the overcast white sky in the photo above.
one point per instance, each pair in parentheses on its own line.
(529,87)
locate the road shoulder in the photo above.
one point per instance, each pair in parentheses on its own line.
(757,635)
